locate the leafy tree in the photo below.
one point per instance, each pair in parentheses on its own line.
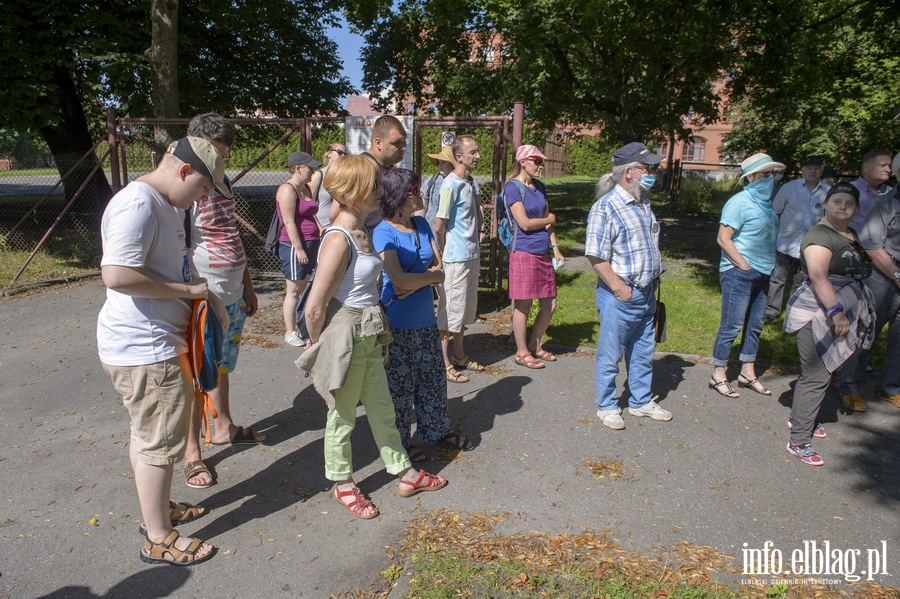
(817,77)
(631,67)
(64,59)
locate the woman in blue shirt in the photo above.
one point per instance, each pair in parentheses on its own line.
(412,265)
(747,231)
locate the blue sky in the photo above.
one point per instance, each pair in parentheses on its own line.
(349,45)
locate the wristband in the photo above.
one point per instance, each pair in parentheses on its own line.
(554,245)
(834,310)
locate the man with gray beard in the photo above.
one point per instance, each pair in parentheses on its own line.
(623,247)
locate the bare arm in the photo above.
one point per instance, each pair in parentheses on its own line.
(531,224)
(408,281)
(604,270)
(817,260)
(724,239)
(138,282)
(440,232)
(287,202)
(249,294)
(333,257)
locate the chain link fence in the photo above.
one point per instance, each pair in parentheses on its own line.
(49,227)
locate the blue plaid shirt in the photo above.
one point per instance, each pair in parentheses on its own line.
(624,231)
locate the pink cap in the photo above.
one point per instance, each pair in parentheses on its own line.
(528,151)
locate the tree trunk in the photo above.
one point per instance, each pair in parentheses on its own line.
(163,58)
(68,140)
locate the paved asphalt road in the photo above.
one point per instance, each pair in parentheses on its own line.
(717,475)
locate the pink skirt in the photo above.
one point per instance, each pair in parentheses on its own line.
(531,276)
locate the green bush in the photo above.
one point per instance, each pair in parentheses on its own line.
(590,157)
(697,195)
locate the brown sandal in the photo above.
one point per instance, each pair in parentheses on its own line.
(355,507)
(155,553)
(543,354)
(529,361)
(192,469)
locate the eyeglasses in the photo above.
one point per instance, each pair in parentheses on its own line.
(647,168)
(536,161)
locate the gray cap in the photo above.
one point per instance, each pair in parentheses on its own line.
(298,158)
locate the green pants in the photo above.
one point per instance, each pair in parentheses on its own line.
(366,383)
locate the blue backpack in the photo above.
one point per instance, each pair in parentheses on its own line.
(507,229)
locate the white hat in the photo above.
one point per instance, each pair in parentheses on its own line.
(756,164)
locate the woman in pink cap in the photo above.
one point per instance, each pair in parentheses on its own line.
(531,273)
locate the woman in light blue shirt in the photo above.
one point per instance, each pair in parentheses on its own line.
(747,232)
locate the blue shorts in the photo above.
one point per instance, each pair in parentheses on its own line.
(237,315)
(290,267)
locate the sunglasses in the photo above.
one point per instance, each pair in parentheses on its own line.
(862,253)
(536,161)
(647,168)
(339,152)
(414,191)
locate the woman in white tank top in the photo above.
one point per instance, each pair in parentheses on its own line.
(348,272)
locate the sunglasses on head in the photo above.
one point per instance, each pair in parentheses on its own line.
(862,252)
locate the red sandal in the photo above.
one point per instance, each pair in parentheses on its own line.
(529,361)
(358,505)
(425,482)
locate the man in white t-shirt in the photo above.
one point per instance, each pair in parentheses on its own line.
(458,228)
(141,331)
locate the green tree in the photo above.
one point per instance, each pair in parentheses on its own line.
(817,77)
(632,68)
(65,59)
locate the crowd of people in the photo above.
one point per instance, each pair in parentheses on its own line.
(390,267)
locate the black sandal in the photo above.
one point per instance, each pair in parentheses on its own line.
(749,383)
(729,390)
(458,442)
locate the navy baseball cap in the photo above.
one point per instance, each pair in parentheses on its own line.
(635,152)
(813,159)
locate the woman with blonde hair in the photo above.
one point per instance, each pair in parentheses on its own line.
(531,271)
(319,193)
(349,331)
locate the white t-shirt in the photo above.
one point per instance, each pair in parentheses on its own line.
(140,229)
(217,251)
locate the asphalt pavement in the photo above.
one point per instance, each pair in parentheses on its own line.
(717,475)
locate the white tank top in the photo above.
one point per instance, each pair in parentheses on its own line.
(359,286)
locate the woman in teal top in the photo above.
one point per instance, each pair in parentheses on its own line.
(747,231)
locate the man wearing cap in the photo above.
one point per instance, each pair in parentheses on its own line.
(458,232)
(141,330)
(622,245)
(875,170)
(880,237)
(798,205)
(217,255)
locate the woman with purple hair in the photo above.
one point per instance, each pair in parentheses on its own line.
(412,265)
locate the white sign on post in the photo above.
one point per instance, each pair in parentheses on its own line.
(359,136)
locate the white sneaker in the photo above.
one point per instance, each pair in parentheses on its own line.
(294,339)
(611,418)
(652,410)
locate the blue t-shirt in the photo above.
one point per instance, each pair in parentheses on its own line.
(415,311)
(755,227)
(535,202)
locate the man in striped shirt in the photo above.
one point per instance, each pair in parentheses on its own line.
(622,245)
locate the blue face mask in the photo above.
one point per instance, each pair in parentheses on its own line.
(647,181)
(762,187)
